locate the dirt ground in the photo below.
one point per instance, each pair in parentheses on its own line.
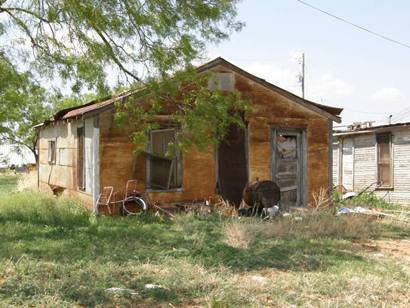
(398,249)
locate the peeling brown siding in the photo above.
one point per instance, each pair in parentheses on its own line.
(119,163)
(272,110)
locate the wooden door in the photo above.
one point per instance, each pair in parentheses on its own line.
(232,165)
(288,161)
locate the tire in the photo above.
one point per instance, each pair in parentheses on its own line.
(134,206)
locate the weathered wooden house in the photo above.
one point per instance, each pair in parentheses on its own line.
(374,157)
(287,139)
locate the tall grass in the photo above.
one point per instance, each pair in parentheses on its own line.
(310,226)
(37,208)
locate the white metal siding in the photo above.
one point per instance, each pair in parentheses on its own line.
(335,168)
(347,163)
(359,156)
(365,166)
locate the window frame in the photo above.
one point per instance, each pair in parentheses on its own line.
(148,151)
(52,151)
(390,186)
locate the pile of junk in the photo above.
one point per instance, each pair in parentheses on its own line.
(260,199)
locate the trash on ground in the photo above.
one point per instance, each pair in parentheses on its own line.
(151,286)
(121,291)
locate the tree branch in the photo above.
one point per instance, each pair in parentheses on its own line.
(112,53)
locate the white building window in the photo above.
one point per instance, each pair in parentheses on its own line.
(51,152)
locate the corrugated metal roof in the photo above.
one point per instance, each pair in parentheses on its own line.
(92,106)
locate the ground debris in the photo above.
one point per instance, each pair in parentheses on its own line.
(121,291)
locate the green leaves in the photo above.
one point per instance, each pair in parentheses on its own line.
(80,39)
(202,116)
(88,42)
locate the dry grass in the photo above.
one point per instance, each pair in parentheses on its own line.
(310,225)
(238,235)
(27,181)
(224,208)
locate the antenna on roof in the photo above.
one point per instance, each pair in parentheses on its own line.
(301,76)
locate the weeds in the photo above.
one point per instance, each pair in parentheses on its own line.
(369,200)
(55,254)
(310,226)
(37,208)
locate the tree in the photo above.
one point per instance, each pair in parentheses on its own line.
(24,104)
(81,40)
(141,43)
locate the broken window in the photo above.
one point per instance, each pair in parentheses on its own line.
(222,82)
(80,159)
(384,160)
(163,161)
(51,152)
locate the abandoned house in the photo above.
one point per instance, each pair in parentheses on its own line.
(376,158)
(287,139)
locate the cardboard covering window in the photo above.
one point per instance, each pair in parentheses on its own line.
(51,152)
(164,167)
(384,160)
(221,81)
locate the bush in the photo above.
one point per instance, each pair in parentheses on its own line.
(38,208)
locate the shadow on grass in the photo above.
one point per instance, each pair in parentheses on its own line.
(146,239)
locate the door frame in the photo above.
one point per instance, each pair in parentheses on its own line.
(301,140)
(216,157)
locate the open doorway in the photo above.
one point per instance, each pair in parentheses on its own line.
(232,165)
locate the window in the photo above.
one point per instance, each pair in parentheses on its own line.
(384,160)
(80,159)
(164,170)
(51,152)
(221,81)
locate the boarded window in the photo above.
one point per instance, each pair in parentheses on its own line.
(80,159)
(384,160)
(51,152)
(221,81)
(164,165)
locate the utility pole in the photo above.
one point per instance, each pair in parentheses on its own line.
(302,74)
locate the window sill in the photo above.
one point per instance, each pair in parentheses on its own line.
(384,188)
(152,190)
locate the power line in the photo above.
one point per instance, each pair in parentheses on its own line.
(355,25)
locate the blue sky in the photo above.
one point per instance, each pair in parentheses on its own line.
(345,67)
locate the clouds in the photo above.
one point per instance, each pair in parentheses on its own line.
(325,87)
(283,77)
(387,95)
(329,88)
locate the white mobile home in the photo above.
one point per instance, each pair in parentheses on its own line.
(374,156)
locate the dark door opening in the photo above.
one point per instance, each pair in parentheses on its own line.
(232,165)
